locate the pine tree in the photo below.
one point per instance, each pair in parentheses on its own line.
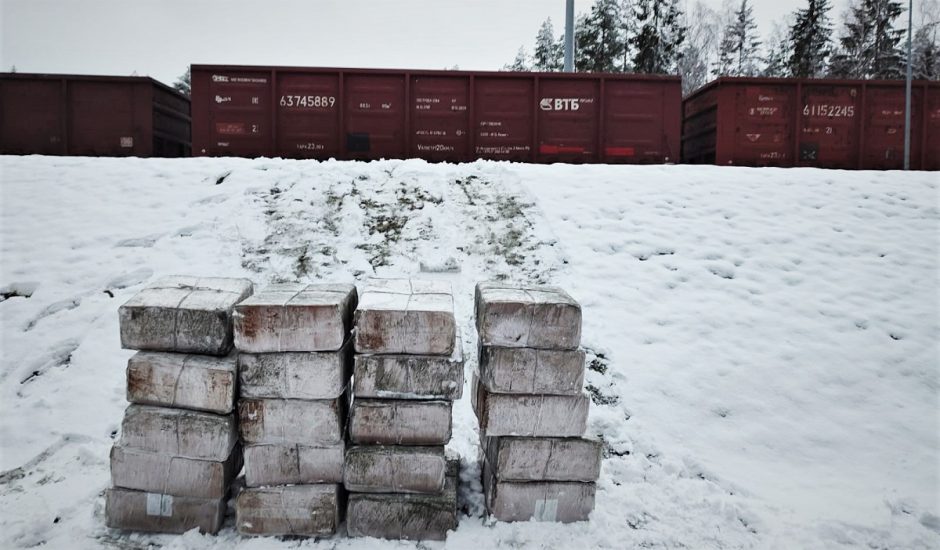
(659,40)
(183,84)
(738,52)
(520,63)
(926,52)
(628,29)
(545,57)
(811,40)
(599,37)
(779,49)
(870,44)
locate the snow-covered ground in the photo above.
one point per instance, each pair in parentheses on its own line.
(763,343)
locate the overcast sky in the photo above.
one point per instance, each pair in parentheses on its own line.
(161,38)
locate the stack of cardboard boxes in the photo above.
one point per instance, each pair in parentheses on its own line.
(294,366)
(408,371)
(178,453)
(528,398)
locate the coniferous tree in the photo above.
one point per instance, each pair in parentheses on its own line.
(183,84)
(870,43)
(520,63)
(738,52)
(811,40)
(926,52)
(659,40)
(779,48)
(628,29)
(599,37)
(545,57)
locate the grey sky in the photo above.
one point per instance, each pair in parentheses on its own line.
(161,37)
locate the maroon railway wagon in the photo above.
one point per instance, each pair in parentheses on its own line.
(114,116)
(847,124)
(454,116)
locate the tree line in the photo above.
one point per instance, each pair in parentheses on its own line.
(659,37)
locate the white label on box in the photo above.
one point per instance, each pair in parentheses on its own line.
(545,510)
(159,505)
(127,142)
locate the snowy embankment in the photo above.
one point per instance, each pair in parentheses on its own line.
(763,343)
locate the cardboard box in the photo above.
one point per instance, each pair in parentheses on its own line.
(292,421)
(563,501)
(543,458)
(529,415)
(172,475)
(287,464)
(179,432)
(304,510)
(406,316)
(410,376)
(295,375)
(140,511)
(400,422)
(525,316)
(532,371)
(181,380)
(394,469)
(183,314)
(295,317)
(404,516)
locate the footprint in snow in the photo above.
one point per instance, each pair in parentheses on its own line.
(138,242)
(130,279)
(52,309)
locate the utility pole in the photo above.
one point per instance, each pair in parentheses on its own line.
(907,91)
(569,36)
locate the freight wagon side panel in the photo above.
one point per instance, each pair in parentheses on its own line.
(232,113)
(171,124)
(700,127)
(503,118)
(31,117)
(375,116)
(762,124)
(932,133)
(440,118)
(641,121)
(110,119)
(568,120)
(884,128)
(829,126)
(308,115)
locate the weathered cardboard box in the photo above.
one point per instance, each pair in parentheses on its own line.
(292,421)
(533,371)
(400,422)
(140,511)
(183,314)
(563,501)
(410,376)
(529,415)
(295,375)
(181,380)
(295,317)
(405,516)
(173,475)
(527,316)
(543,458)
(304,510)
(293,464)
(179,432)
(395,469)
(406,316)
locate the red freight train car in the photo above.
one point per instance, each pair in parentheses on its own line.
(802,122)
(118,116)
(436,115)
